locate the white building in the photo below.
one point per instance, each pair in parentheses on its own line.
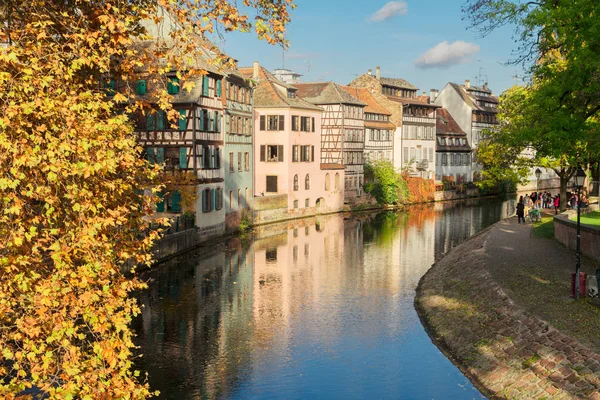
(453,152)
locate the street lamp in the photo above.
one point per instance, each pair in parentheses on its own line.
(579,180)
(538,174)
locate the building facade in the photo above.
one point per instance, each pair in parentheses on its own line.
(414,118)
(238,148)
(287,147)
(379,131)
(474,108)
(453,151)
(343,131)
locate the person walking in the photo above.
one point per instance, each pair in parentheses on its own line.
(556,204)
(520,210)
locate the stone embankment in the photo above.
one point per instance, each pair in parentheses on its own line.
(502,343)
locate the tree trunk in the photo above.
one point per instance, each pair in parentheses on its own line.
(563,192)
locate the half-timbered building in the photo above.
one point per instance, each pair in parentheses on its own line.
(379,131)
(474,108)
(238,148)
(287,148)
(343,131)
(453,151)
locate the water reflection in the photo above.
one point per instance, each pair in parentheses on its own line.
(318,308)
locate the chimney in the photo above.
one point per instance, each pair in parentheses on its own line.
(433,94)
(467,84)
(378,73)
(370,72)
(485,85)
(255,71)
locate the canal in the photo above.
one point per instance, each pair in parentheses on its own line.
(315,308)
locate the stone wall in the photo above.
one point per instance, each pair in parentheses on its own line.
(447,195)
(565,232)
(176,243)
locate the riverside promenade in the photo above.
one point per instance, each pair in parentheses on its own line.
(499,307)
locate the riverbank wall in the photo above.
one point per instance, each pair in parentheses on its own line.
(565,232)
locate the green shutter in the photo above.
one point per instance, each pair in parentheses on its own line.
(160,120)
(212,199)
(150,155)
(173,85)
(149,122)
(160,155)
(205,86)
(219,88)
(160,206)
(203,201)
(140,87)
(217,121)
(183,158)
(182,120)
(202,120)
(109,87)
(176,201)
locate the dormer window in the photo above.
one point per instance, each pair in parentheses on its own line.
(291,93)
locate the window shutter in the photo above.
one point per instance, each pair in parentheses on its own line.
(203,201)
(280,153)
(160,206)
(312,153)
(150,121)
(176,201)
(160,120)
(262,152)
(183,158)
(218,88)
(281,122)
(217,121)
(212,199)
(295,153)
(312,126)
(205,85)
(217,158)
(173,85)
(150,155)
(140,87)
(182,120)
(262,122)
(205,162)
(202,113)
(160,155)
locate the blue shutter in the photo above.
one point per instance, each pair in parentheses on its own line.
(205,85)
(183,163)
(150,155)
(212,199)
(218,88)
(176,201)
(160,120)
(160,206)
(182,120)
(173,85)
(160,155)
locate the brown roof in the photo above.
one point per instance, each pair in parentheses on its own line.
(379,125)
(412,101)
(364,95)
(446,125)
(326,93)
(272,93)
(398,82)
(332,166)
(471,99)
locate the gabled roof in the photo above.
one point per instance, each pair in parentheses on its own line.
(326,93)
(446,124)
(364,95)
(415,101)
(272,93)
(398,82)
(471,99)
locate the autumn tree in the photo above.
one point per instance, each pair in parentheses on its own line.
(72,211)
(555,115)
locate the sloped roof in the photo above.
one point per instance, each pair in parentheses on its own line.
(446,124)
(471,99)
(272,93)
(412,101)
(364,95)
(326,93)
(398,82)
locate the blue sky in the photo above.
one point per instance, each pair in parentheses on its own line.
(337,40)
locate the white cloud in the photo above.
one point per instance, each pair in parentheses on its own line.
(445,54)
(390,10)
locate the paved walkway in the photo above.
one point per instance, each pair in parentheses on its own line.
(480,306)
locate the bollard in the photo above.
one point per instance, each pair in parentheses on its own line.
(582,281)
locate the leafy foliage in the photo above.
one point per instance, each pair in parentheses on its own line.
(384,183)
(419,190)
(72,210)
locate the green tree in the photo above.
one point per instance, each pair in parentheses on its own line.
(72,213)
(384,183)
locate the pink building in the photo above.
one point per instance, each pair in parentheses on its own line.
(287,149)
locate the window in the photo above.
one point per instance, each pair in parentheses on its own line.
(271,153)
(295,207)
(271,184)
(431,154)
(231,169)
(295,183)
(231,199)
(305,124)
(307,153)
(337,181)
(307,204)
(327,182)
(219,199)
(246,161)
(239,197)
(207,200)
(444,159)
(405,155)
(140,87)
(173,85)
(274,123)
(307,182)
(295,153)
(295,120)
(271,255)
(239,160)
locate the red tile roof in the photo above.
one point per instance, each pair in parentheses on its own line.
(364,95)
(446,125)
